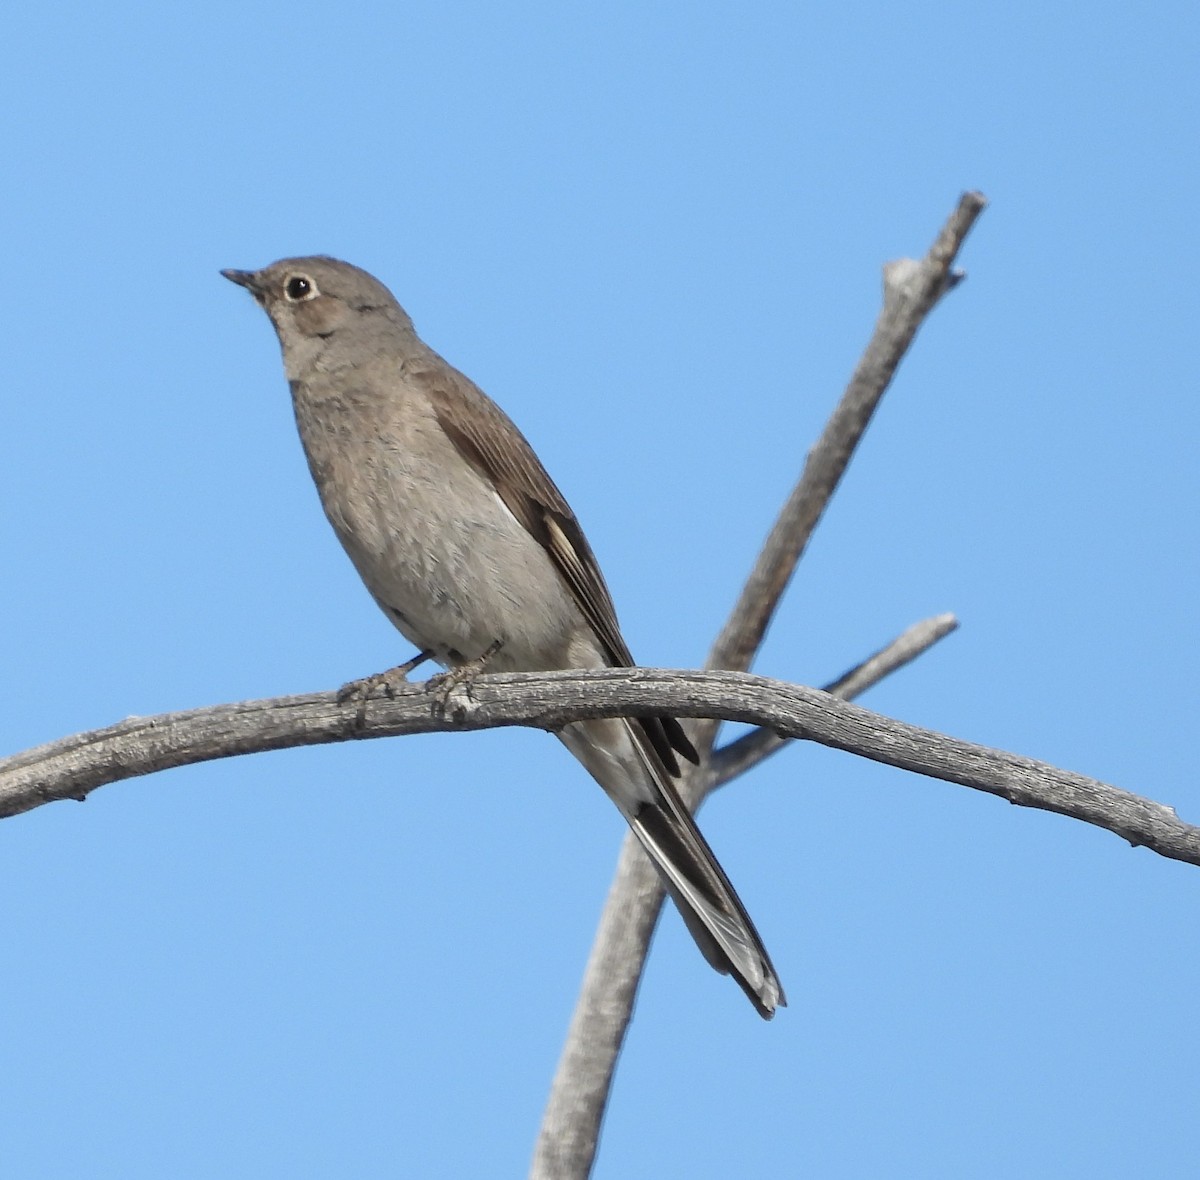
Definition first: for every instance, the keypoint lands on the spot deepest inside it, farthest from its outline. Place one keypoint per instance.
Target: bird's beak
(247, 279)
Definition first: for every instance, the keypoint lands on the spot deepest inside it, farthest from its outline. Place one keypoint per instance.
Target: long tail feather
(628, 766)
(708, 903)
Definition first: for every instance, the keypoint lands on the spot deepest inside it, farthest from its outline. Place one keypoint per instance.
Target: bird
(470, 549)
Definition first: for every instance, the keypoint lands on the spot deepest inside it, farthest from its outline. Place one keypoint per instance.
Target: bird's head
(316, 300)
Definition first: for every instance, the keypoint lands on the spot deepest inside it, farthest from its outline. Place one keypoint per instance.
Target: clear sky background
(654, 233)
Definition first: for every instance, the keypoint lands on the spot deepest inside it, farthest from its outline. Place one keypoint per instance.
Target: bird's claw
(444, 683)
(380, 684)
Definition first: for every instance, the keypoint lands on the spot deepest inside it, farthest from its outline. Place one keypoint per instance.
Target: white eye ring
(299, 288)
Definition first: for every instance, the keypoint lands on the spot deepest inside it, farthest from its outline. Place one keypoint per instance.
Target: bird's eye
(299, 288)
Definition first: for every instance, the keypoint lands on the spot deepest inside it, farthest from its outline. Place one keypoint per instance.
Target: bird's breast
(433, 541)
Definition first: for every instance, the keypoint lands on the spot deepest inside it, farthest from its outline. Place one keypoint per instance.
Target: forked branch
(571, 1123)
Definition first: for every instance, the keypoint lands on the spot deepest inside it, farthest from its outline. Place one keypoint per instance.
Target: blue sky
(653, 232)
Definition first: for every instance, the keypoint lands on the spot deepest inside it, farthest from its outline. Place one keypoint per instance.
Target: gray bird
(470, 549)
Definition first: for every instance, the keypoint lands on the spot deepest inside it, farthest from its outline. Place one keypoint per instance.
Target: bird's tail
(633, 774)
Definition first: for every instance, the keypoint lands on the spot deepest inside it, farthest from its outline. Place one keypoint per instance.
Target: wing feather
(490, 441)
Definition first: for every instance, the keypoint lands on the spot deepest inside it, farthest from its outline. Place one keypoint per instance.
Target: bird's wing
(489, 440)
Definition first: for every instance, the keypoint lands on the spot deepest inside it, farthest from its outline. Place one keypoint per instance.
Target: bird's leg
(363, 690)
(444, 683)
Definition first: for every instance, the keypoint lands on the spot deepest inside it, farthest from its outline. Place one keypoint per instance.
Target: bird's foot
(444, 683)
(380, 684)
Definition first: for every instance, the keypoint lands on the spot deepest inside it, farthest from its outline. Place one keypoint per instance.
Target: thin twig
(746, 752)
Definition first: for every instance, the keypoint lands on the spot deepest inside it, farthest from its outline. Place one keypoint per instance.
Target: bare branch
(73, 767)
(570, 1127)
(751, 748)
(77, 765)
(910, 292)
(548, 700)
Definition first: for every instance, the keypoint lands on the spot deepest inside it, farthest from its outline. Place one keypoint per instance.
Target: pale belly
(452, 567)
